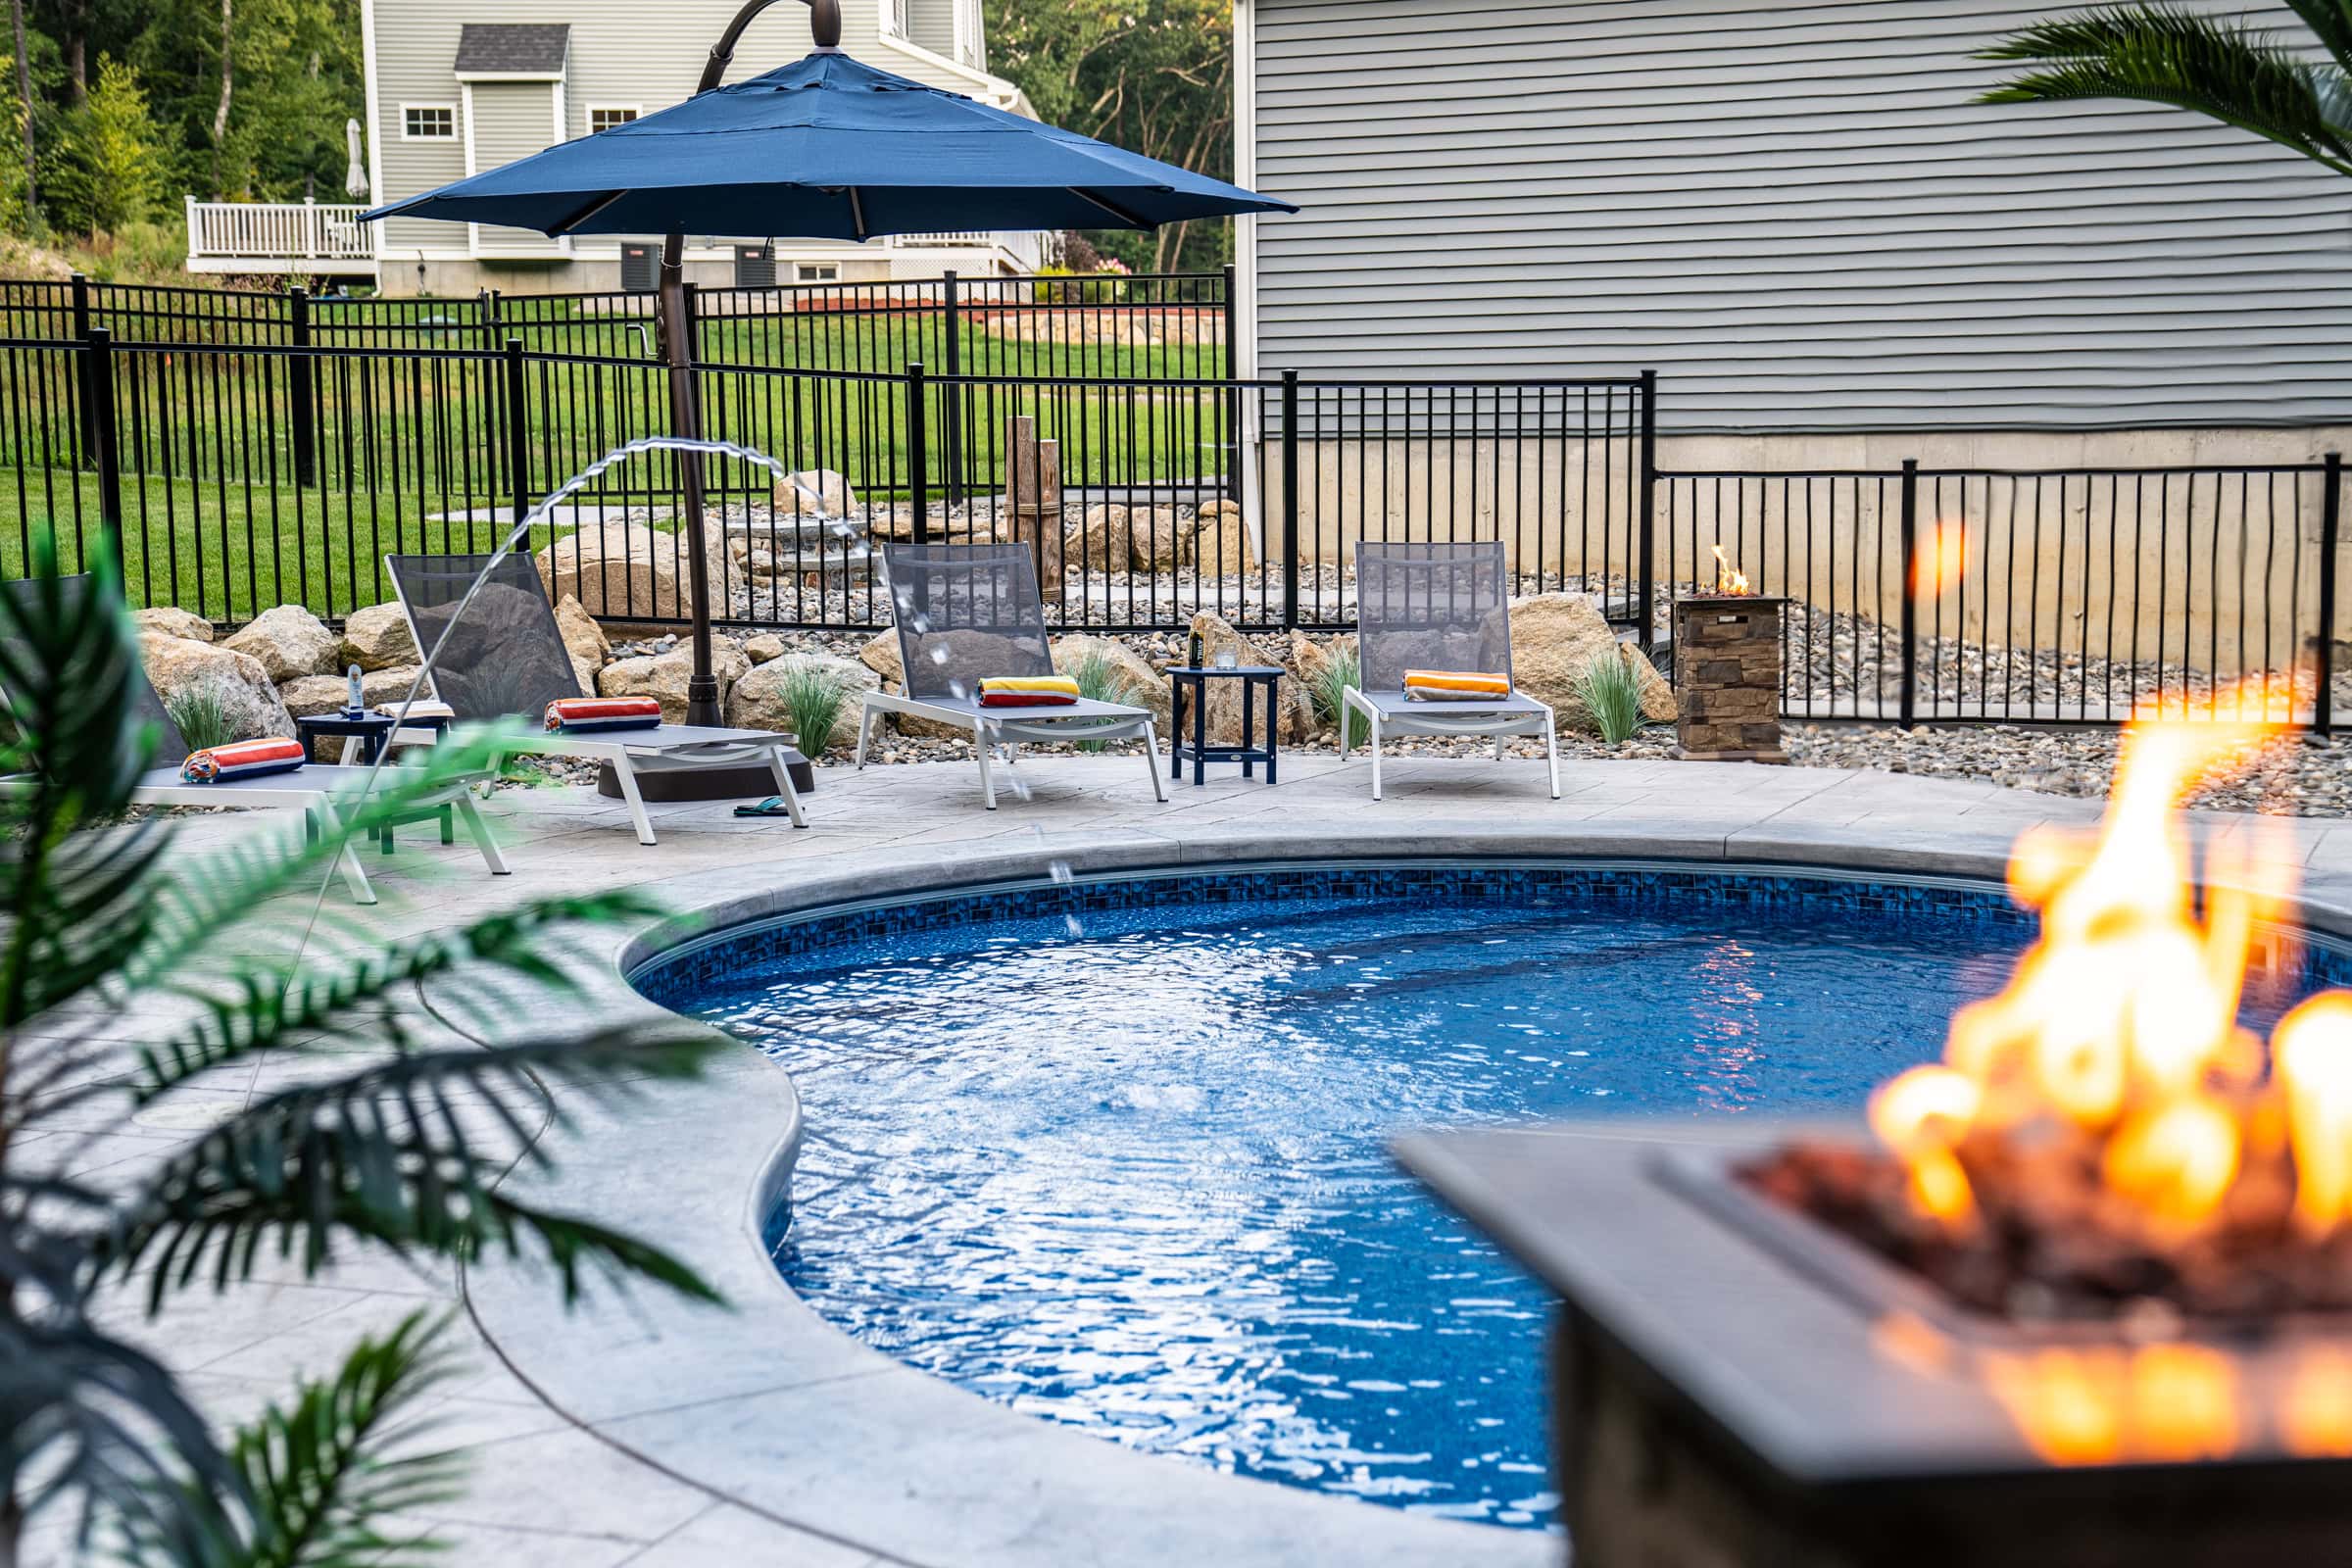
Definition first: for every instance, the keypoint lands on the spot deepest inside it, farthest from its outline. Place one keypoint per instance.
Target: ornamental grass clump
(1101, 681)
(814, 698)
(1329, 693)
(205, 714)
(379, 1142)
(1613, 693)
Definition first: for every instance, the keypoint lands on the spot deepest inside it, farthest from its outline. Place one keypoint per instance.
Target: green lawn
(230, 553)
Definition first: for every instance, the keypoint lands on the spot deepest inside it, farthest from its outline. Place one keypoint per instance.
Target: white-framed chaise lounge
(326, 793)
(507, 660)
(966, 613)
(1440, 606)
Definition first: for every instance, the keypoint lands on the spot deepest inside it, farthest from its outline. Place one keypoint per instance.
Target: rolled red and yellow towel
(576, 716)
(1454, 686)
(1028, 690)
(240, 759)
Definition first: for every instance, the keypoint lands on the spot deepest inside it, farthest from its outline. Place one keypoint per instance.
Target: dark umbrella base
(710, 784)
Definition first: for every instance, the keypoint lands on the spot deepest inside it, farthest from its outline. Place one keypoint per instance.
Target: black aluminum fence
(2046, 597)
(1151, 326)
(244, 475)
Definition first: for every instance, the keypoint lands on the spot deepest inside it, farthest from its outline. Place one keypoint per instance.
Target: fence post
(2332, 506)
(950, 406)
(518, 453)
(98, 406)
(1230, 370)
(1290, 499)
(1907, 715)
(299, 390)
(917, 458)
(1645, 531)
(485, 306)
(81, 334)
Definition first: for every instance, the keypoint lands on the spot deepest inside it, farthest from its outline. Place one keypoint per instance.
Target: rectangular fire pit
(1727, 668)
(1733, 1385)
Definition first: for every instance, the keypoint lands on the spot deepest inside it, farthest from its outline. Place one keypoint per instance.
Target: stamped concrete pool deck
(638, 1430)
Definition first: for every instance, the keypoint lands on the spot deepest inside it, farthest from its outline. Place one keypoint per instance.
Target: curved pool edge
(773, 1409)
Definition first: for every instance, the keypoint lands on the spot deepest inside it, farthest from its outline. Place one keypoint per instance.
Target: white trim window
(816, 272)
(429, 122)
(894, 17)
(604, 117)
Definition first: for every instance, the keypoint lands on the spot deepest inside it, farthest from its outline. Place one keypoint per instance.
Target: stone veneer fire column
(1727, 669)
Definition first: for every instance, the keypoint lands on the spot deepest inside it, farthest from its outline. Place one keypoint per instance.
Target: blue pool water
(1114, 1153)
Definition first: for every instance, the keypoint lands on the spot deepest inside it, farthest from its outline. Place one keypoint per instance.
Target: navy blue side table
(372, 730)
(1184, 682)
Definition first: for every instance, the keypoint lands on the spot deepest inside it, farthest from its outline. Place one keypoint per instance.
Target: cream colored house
(458, 86)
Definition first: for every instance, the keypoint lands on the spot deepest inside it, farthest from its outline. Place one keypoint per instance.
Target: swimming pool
(1111, 1152)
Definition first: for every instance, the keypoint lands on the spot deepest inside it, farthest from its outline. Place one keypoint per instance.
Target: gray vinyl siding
(1793, 211)
(511, 120)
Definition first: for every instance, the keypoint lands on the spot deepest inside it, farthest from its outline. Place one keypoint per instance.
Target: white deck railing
(1026, 248)
(265, 233)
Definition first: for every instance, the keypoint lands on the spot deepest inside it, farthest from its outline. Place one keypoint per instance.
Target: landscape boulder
(1555, 637)
(1154, 542)
(583, 639)
(1219, 545)
(289, 642)
(628, 571)
(178, 665)
(1145, 687)
(1098, 541)
(1218, 635)
(324, 694)
(376, 638)
(763, 648)
(817, 490)
(757, 700)
(170, 622)
(664, 675)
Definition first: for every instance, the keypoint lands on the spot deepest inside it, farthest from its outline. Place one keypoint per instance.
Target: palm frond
(314, 1482)
(2331, 22)
(386, 1153)
(68, 664)
(86, 1416)
(258, 1002)
(228, 890)
(2162, 53)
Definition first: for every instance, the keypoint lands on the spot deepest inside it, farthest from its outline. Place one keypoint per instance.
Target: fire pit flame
(2104, 1136)
(1729, 584)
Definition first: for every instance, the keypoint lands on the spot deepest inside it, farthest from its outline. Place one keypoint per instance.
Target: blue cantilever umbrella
(826, 148)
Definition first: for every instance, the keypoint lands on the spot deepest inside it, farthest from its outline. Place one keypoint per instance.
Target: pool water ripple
(1125, 1170)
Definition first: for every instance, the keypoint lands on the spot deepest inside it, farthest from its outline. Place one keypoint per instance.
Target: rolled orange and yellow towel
(1028, 690)
(240, 759)
(585, 715)
(1454, 686)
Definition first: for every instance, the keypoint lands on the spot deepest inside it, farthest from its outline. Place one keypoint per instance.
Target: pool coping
(771, 1407)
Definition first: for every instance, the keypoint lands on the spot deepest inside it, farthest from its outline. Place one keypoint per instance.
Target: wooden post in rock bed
(1033, 498)
(1727, 666)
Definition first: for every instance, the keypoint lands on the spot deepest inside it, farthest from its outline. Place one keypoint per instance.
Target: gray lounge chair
(507, 658)
(324, 792)
(1437, 606)
(965, 613)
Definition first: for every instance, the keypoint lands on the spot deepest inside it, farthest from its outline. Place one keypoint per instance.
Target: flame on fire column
(2118, 1037)
(1729, 584)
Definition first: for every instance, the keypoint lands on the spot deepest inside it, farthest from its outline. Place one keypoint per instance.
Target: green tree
(104, 916)
(117, 160)
(1155, 77)
(2225, 70)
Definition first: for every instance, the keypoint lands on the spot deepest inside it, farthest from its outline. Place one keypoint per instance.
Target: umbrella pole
(686, 418)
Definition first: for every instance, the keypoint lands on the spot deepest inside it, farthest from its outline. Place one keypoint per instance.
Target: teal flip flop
(774, 806)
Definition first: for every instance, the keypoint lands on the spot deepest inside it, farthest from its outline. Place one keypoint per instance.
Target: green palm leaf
(313, 1481)
(2165, 54)
(394, 1153)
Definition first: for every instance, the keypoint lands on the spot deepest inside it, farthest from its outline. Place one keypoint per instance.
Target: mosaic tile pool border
(670, 976)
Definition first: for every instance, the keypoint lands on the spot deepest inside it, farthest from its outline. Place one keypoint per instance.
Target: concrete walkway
(638, 1432)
